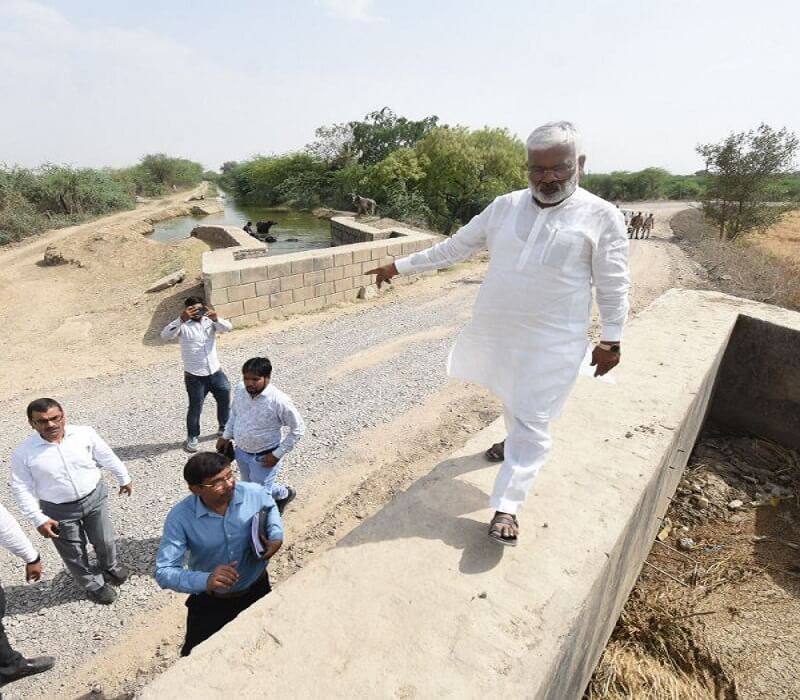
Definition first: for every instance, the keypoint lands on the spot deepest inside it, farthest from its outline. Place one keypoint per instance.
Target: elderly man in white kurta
(548, 245)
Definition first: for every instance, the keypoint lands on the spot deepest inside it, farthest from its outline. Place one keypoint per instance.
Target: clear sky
(101, 82)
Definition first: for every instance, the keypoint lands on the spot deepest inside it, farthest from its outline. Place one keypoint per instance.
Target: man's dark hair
(260, 366)
(204, 465)
(191, 301)
(42, 406)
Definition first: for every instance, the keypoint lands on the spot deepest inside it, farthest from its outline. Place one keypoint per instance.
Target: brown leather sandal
(496, 453)
(499, 521)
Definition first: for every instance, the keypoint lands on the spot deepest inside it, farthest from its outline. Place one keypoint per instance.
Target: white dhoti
(528, 333)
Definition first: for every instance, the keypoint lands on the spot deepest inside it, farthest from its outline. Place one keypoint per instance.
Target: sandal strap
(501, 519)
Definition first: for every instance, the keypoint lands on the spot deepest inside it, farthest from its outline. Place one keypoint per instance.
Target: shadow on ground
(434, 508)
(139, 556)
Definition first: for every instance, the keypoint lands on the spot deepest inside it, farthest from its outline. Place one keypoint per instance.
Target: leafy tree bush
(746, 171)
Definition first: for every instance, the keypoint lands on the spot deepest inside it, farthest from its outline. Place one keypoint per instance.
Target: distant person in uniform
(197, 329)
(647, 226)
(636, 224)
(549, 245)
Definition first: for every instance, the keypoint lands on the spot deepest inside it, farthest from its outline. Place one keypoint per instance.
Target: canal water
(309, 231)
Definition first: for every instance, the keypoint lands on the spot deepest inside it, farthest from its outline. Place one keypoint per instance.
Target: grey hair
(555, 134)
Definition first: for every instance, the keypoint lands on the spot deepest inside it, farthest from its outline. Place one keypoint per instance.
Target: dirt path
(380, 459)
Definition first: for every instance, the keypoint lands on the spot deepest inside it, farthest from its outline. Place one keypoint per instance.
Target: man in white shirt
(56, 480)
(14, 665)
(197, 329)
(548, 245)
(258, 414)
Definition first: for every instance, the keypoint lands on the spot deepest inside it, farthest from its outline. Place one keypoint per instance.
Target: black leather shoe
(26, 667)
(118, 577)
(283, 502)
(102, 596)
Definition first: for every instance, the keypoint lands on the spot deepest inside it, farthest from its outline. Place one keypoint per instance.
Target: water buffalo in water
(262, 231)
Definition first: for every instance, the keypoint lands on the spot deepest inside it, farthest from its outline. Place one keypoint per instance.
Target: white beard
(566, 189)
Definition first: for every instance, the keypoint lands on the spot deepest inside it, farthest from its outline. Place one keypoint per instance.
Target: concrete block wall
(250, 291)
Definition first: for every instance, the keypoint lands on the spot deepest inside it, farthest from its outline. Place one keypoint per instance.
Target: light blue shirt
(212, 539)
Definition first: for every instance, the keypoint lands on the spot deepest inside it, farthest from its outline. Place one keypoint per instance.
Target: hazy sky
(99, 82)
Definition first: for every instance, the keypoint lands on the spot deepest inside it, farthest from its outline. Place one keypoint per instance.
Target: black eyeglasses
(46, 421)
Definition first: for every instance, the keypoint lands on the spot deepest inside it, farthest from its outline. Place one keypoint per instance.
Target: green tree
(382, 132)
(744, 174)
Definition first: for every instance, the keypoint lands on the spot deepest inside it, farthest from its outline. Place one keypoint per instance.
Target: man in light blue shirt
(213, 525)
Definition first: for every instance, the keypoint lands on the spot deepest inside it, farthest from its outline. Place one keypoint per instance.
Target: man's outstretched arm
(465, 242)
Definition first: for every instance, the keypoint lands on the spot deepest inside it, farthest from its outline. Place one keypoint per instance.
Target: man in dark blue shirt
(213, 525)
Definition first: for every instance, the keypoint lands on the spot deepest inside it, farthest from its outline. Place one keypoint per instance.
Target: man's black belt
(263, 452)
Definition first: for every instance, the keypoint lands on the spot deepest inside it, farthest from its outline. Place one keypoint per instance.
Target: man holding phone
(197, 329)
(56, 481)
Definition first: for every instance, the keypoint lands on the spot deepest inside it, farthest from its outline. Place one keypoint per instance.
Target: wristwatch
(611, 347)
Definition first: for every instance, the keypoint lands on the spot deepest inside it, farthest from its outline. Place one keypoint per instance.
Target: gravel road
(141, 416)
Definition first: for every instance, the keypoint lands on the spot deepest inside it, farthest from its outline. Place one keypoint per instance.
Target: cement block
(225, 279)
(279, 269)
(341, 259)
(268, 314)
(231, 309)
(241, 291)
(378, 253)
(291, 282)
(344, 284)
(303, 293)
(323, 262)
(321, 290)
(304, 265)
(394, 249)
(362, 254)
(218, 296)
(407, 248)
(312, 278)
(334, 273)
(351, 294)
(334, 298)
(351, 270)
(268, 287)
(256, 304)
(253, 274)
(280, 299)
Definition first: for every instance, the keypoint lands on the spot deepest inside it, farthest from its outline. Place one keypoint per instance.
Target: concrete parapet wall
(416, 602)
(249, 291)
(346, 230)
(227, 237)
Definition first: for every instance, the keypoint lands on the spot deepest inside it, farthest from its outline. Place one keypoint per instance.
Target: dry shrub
(735, 267)
(655, 653)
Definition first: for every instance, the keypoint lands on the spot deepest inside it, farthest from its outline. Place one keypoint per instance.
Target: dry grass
(783, 239)
(660, 648)
(738, 268)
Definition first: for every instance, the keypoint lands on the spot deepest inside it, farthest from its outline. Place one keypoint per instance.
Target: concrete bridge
(417, 603)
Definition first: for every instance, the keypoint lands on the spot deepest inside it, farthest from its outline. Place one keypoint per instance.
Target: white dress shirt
(198, 343)
(255, 422)
(14, 539)
(528, 332)
(61, 472)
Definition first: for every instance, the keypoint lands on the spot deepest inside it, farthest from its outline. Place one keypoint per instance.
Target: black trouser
(8, 657)
(209, 614)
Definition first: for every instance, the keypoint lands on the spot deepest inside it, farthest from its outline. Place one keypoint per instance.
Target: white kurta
(529, 329)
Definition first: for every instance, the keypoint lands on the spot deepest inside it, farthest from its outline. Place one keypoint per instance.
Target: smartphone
(202, 311)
